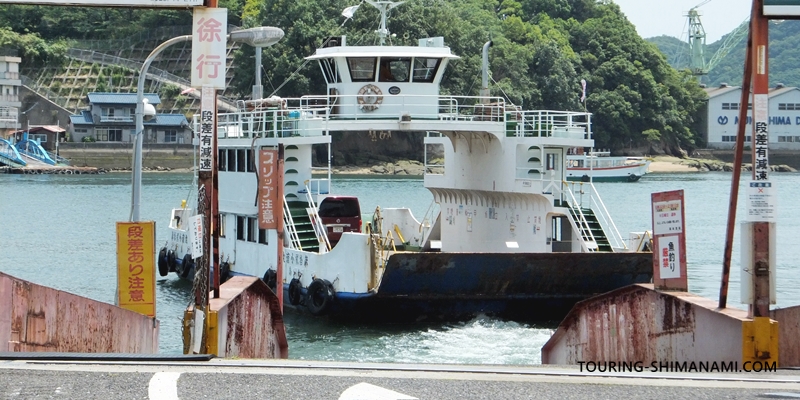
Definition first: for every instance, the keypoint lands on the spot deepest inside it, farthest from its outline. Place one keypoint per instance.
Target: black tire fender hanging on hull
(186, 266)
(224, 272)
(320, 296)
(271, 279)
(171, 262)
(294, 292)
(163, 266)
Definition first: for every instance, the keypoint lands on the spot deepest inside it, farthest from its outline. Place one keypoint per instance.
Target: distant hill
(784, 60)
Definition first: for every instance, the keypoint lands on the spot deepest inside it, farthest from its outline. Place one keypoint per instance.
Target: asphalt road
(282, 379)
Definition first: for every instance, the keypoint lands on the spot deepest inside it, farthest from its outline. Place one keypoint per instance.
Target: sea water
(59, 231)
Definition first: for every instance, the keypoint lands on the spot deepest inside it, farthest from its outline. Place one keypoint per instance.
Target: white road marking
(365, 391)
(164, 386)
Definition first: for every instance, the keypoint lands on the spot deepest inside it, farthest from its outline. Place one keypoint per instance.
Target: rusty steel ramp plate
(56, 356)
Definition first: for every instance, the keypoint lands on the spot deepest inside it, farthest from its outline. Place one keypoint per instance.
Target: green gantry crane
(697, 42)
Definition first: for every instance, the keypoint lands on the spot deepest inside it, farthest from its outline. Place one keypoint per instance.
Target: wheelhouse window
(425, 69)
(394, 69)
(232, 160)
(362, 69)
(241, 160)
(329, 70)
(222, 160)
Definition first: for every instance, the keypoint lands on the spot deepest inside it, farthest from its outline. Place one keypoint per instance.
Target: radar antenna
(384, 6)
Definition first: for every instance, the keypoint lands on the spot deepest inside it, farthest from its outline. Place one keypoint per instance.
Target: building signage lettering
(207, 121)
(209, 47)
(268, 200)
(775, 120)
(136, 272)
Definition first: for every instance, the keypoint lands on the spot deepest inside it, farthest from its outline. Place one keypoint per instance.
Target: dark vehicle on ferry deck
(340, 214)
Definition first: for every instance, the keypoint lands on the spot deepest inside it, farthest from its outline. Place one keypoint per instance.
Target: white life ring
(369, 98)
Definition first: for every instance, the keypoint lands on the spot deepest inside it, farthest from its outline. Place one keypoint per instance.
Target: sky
(667, 17)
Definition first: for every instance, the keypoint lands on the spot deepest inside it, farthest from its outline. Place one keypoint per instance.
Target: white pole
(136, 195)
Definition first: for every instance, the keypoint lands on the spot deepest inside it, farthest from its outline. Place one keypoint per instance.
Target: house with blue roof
(110, 117)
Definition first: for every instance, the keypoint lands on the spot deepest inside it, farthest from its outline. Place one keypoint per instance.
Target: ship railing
(294, 238)
(551, 123)
(320, 230)
(588, 197)
(269, 123)
(405, 107)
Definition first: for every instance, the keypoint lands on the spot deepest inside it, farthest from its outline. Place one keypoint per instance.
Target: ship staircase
(592, 221)
(299, 226)
(590, 229)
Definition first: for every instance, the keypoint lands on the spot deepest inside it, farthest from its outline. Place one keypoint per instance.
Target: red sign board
(669, 241)
(270, 204)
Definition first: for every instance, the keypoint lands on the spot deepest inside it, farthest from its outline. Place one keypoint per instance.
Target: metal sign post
(669, 240)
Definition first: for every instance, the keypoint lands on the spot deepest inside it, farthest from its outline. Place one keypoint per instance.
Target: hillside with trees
(541, 51)
(784, 56)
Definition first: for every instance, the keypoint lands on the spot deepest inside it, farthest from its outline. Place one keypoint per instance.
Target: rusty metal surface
(637, 323)
(40, 319)
(788, 335)
(250, 320)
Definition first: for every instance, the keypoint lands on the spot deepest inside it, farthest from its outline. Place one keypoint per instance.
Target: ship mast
(384, 6)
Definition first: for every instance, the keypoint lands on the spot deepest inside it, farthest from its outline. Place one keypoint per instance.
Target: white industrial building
(723, 117)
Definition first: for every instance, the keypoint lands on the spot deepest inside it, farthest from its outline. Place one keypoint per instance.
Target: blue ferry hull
(522, 287)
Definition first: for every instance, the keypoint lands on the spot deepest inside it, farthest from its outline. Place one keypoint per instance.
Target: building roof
(168, 120)
(720, 90)
(773, 91)
(779, 90)
(85, 118)
(48, 128)
(121, 98)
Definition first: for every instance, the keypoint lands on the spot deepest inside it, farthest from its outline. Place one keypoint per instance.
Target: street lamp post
(136, 191)
(258, 37)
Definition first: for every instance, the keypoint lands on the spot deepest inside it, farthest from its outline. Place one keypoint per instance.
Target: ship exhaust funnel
(485, 73)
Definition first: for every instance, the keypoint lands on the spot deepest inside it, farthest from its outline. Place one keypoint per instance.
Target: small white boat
(600, 166)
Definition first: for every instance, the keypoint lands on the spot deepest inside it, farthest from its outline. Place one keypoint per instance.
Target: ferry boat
(511, 237)
(601, 166)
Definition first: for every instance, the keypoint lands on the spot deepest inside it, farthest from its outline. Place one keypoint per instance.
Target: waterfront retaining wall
(120, 155)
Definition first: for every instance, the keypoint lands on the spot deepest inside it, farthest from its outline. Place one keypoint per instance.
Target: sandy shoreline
(664, 164)
(661, 164)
